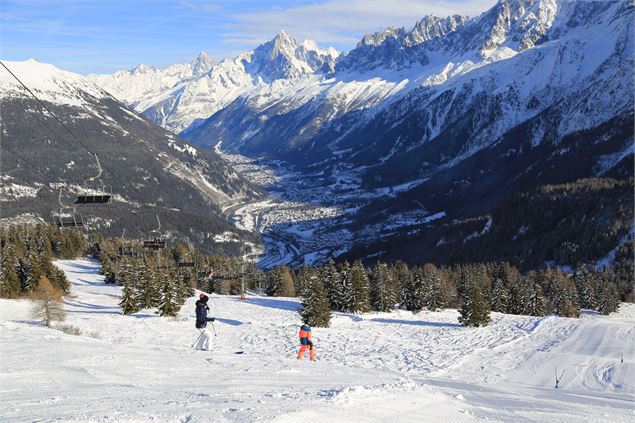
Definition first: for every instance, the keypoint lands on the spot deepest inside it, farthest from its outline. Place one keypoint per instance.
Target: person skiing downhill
(202, 342)
(306, 342)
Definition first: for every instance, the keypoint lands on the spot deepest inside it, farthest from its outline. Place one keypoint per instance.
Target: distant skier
(202, 343)
(306, 342)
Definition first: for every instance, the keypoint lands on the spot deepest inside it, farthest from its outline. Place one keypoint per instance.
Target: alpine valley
(439, 142)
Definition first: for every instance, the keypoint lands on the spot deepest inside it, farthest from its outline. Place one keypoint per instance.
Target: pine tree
(107, 269)
(9, 280)
(169, 305)
(500, 297)
(433, 297)
(474, 311)
(316, 309)
(48, 304)
(185, 289)
(608, 299)
(360, 289)
(585, 285)
(384, 289)
(520, 291)
(344, 286)
(536, 304)
(414, 292)
(148, 294)
(332, 284)
(302, 281)
(500, 293)
(128, 301)
(405, 280)
(565, 296)
(33, 273)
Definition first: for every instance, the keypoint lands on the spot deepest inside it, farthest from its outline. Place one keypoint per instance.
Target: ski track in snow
(376, 367)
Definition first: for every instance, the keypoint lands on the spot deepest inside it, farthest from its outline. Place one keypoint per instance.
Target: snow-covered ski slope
(386, 367)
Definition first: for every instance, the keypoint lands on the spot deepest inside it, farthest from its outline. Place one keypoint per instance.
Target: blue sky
(102, 36)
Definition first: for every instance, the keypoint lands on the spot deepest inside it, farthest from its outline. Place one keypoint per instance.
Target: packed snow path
(375, 367)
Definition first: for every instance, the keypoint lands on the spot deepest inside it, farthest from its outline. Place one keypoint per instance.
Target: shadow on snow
(416, 323)
(272, 302)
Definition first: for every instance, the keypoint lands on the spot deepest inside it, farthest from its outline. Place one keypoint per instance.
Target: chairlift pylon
(156, 243)
(94, 190)
(67, 216)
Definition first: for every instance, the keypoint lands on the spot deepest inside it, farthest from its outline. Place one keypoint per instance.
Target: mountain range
(150, 171)
(414, 127)
(451, 116)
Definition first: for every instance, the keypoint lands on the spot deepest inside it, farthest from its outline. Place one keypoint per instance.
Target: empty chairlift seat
(95, 194)
(68, 220)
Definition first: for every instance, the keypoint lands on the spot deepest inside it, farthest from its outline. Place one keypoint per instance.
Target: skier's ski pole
(199, 337)
(214, 329)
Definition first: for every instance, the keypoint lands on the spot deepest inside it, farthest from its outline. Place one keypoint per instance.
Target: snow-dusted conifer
(433, 296)
(384, 288)
(148, 294)
(316, 308)
(9, 280)
(360, 289)
(345, 286)
(416, 290)
(169, 306)
(406, 286)
(34, 272)
(474, 311)
(332, 284)
(607, 297)
(564, 294)
(128, 301)
(585, 285)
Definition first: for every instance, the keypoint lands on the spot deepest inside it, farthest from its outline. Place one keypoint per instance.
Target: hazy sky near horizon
(95, 36)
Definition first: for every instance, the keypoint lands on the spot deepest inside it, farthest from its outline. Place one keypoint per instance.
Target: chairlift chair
(68, 219)
(67, 216)
(186, 263)
(126, 250)
(94, 191)
(155, 243)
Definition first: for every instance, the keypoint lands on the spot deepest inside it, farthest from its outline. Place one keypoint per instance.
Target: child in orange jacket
(306, 342)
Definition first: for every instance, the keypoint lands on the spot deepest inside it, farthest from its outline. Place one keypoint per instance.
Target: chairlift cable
(79, 141)
(30, 163)
(47, 109)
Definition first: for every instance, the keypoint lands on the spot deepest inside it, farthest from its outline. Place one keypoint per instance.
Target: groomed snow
(378, 367)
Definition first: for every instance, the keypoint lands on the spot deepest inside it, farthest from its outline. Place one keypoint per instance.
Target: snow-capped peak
(48, 82)
(202, 64)
(431, 27)
(377, 38)
(283, 57)
(141, 68)
(310, 45)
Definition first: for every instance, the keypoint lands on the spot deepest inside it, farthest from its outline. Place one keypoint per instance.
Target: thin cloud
(200, 7)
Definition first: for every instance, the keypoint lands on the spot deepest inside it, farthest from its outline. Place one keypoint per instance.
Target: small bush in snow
(69, 329)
